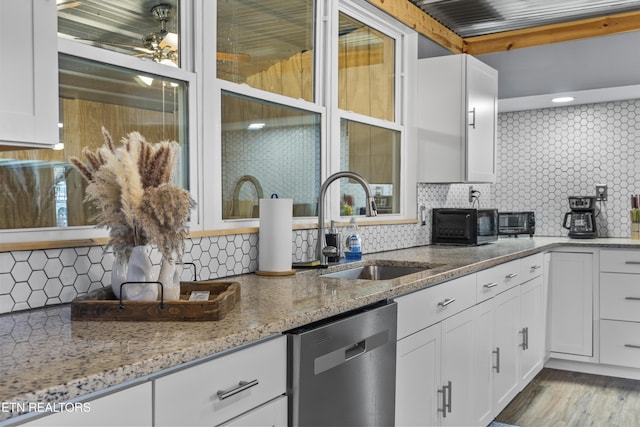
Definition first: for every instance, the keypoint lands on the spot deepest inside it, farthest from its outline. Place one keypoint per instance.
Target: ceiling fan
(161, 46)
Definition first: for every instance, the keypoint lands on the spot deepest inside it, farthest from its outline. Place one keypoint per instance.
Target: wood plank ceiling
(485, 26)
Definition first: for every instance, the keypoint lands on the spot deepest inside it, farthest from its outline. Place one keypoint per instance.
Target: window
(370, 129)
(366, 64)
(268, 149)
(40, 188)
(267, 44)
(374, 153)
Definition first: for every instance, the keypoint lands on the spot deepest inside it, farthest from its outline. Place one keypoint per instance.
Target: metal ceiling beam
(536, 36)
(412, 16)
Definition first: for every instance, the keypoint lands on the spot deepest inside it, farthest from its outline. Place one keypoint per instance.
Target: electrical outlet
(471, 194)
(601, 192)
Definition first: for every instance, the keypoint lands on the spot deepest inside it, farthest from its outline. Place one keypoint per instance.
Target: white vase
(170, 278)
(139, 272)
(118, 272)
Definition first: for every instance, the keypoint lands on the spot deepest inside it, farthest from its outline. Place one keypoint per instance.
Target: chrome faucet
(371, 209)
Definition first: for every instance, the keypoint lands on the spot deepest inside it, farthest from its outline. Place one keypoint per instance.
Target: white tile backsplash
(543, 156)
(547, 155)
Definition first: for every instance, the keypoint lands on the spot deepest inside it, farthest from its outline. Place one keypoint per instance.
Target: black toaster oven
(515, 223)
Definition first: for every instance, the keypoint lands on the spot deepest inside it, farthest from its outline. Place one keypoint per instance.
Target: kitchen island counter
(45, 357)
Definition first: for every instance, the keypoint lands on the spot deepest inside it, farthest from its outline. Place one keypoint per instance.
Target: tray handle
(121, 306)
(195, 274)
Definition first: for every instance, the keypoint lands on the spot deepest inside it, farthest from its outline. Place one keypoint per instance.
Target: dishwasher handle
(344, 354)
(356, 350)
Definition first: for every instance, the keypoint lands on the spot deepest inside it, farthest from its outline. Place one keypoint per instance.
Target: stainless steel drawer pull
(632, 298)
(632, 262)
(446, 302)
(525, 338)
(632, 346)
(511, 276)
(491, 285)
(535, 267)
(242, 386)
(497, 353)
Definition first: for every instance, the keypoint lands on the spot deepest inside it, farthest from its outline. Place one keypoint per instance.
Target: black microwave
(467, 227)
(515, 223)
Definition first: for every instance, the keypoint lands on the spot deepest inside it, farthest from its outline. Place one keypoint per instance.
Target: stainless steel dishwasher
(342, 371)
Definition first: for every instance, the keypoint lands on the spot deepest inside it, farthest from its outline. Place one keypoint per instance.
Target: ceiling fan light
(170, 40)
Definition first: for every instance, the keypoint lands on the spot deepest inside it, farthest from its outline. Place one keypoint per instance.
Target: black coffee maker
(581, 221)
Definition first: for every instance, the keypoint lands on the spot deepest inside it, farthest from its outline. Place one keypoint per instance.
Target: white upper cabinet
(29, 72)
(456, 119)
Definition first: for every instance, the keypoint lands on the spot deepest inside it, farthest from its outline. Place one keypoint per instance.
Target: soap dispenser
(353, 243)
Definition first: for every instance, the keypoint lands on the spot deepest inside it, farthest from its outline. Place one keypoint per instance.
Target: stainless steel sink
(381, 271)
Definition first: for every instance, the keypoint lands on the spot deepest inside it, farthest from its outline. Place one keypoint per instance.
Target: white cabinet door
(485, 361)
(29, 73)
(418, 378)
(482, 111)
(457, 108)
(505, 351)
(457, 370)
(129, 407)
(571, 303)
(532, 323)
(272, 414)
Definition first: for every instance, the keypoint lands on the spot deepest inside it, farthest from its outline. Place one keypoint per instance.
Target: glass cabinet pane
(267, 44)
(140, 28)
(374, 153)
(366, 70)
(268, 149)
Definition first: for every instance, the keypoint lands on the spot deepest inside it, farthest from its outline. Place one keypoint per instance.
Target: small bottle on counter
(353, 243)
(334, 239)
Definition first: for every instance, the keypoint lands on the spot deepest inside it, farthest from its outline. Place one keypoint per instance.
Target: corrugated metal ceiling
(468, 18)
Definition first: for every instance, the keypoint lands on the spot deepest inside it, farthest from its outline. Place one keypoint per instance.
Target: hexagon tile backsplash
(543, 156)
(31, 279)
(547, 155)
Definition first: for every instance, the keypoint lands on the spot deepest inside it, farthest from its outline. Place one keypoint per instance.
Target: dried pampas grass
(131, 187)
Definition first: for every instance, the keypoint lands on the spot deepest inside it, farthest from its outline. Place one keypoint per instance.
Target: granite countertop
(47, 358)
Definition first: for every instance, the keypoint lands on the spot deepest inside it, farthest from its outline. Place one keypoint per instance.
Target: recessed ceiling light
(563, 99)
(255, 126)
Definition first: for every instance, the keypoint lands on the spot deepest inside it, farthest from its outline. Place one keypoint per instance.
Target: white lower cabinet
(273, 414)
(465, 368)
(504, 364)
(571, 314)
(219, 391)
(128, 407)
(418, 378)
(457, 370)
(620, 308)
(532, 329)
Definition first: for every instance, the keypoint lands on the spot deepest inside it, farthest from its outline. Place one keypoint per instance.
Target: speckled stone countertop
(45, 357)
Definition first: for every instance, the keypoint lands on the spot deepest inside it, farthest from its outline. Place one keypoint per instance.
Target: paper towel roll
(274, 239)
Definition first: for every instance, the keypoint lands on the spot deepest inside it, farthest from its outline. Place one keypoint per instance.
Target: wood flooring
(561, 398)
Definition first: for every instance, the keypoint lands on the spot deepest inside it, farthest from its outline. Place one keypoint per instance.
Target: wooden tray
(102, 304)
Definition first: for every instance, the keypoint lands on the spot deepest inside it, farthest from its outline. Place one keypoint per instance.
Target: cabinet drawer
(193, 396)
(620, 343)
(620, 261)
(424, 308)
(495, 280)
(620, 296)
(531, 267)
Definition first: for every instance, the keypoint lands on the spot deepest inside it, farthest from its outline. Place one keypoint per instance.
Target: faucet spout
(371, 209)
